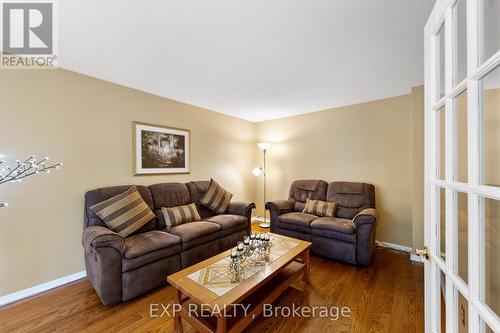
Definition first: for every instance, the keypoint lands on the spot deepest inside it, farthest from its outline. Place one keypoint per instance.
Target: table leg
(178, 320)
(221, 324)
(307, 272)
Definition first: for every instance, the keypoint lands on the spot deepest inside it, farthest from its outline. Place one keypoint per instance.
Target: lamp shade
(257, 171)
(264, 145)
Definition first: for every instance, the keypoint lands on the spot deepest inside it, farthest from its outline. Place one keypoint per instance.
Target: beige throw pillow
(320, 208)
(124, 213)
(216, 198)
(181, 214)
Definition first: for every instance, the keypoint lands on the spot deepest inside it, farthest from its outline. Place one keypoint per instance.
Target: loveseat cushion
(301, 190)
(147, 247)
(335, 228)
(296, 221)
(351, 197)
(195, 233)
(229, 223)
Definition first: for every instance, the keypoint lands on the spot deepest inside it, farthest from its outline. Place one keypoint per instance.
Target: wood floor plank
(386, 296)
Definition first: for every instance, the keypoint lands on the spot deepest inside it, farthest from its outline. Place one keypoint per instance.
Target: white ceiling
(253, 59)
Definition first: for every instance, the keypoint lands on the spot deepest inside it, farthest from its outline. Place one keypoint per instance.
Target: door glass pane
(461, 56)
(492, 251)
(442, 223)
(491, 38)
(462, 235)
(461, 123)
(441, 62)
(442, 293)
(463, 313)
(441, 143)
(487, 328)
(491, 128)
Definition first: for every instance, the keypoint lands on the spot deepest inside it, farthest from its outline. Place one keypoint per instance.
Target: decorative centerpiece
(255, 250)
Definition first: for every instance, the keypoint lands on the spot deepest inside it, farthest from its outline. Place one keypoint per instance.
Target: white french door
(462, 166)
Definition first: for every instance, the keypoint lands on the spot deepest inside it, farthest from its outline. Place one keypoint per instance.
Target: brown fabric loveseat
(122, 268)
(349, 236)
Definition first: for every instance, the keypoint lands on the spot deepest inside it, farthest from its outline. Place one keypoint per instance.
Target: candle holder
(254, 250)
(236, 270)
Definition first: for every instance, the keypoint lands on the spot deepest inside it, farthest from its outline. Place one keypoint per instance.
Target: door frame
(444, 15)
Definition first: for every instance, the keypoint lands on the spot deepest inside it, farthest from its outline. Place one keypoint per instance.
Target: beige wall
(417, 166)
(87, 124)
(370, 142)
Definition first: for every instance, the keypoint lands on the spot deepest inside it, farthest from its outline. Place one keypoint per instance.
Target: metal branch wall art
(31, 166)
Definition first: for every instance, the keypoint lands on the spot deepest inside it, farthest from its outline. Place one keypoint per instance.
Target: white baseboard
(407, 249)
(414, 257)
(19, 295)
(394, 246)
(258, 218)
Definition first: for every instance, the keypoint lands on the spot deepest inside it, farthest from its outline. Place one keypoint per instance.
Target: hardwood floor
(387, 296)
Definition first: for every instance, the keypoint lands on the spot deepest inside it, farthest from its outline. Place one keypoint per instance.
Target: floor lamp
(257, 172)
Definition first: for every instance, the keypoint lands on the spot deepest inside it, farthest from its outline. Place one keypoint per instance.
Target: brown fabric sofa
(122, 268)
(349, 236)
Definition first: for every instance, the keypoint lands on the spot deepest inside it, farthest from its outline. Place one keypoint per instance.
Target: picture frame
(159, 150)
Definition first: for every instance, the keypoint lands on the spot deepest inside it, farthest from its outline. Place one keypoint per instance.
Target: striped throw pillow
(216, 198)
(320, 208)
(180, 214)
(124, 213)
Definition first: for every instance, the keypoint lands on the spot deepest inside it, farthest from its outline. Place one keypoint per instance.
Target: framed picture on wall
(160, 150)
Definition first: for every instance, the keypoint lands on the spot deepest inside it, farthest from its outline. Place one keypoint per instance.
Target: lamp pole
(264, 146)
(265, 183)
(265, 224)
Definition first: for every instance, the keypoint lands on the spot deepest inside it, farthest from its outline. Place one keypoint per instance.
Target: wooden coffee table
(211, 303)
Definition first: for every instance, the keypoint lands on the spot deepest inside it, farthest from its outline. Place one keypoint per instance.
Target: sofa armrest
(103, 262)
(99, 237)
(240, 208)
(368, 215)
(365, 225)
(280, 206)
(244, 209)
(277, 208)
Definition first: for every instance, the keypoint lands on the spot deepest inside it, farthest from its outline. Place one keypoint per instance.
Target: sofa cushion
(335, 228)
(170, 195)
(216, 198)
(140, 244)
(319, 207)
(296, 221)
(178, 215)
(229, 223)
(196, 233)
(124, 213)
(147, 247)
(197, 190)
